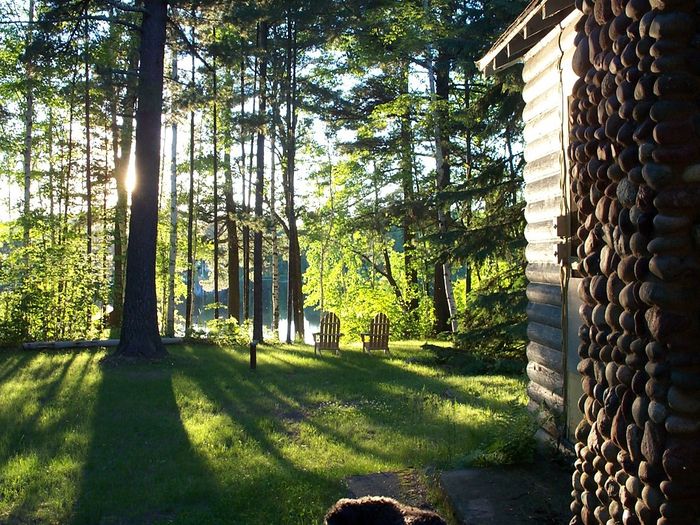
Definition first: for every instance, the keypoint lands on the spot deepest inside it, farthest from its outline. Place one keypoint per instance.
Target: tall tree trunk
(172, 256)
(139, 335)
(88, 161)
(28, 123)
(408, 220)
(468, 174)
(69, 171)
(234, 292)
(246, 204)
(294, 274)
(52, 192)
(189, 298)
(88, 144)
(273, 203)
(104, 291)
(439, 80)
(259, 183)
(216, 191)
(251, 156)
(123, 139)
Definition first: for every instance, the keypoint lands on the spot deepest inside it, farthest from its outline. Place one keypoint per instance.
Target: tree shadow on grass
(200, 438)
(141, 467)
(11, 361)
(273, 488)
(262, 404)
(36, 421)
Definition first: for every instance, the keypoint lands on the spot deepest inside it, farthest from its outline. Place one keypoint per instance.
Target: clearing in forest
(200, 438)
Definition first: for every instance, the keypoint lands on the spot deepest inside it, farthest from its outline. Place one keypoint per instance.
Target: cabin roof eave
(538, 18)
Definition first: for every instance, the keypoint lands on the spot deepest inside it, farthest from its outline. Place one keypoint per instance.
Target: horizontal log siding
(543, 175)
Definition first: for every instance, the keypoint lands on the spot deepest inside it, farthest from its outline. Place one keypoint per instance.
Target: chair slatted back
(379, 332)
(329, 331)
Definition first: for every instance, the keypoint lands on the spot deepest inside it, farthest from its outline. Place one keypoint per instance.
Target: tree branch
(385, 272)
(125, 7)
(98, 18)
(280, 220)
(190, 46)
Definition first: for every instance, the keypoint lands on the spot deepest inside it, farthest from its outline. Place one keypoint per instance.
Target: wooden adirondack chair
(378, 336)
(328, 336)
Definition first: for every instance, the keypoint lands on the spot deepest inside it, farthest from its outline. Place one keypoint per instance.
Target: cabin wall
(547, 75)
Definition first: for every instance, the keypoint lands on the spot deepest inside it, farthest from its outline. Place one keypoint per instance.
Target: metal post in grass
(253, 354)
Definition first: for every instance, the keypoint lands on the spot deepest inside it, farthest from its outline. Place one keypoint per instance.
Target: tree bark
(439, 81)
(259, 183)
(273, 203)
(246, 183)
(216, 191)
(409, 218)
(172, 256)
(294, 274)
(139, 335)
(234, 292)
(189, 298)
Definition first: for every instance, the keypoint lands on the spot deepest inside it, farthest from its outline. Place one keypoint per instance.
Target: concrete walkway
(531, 494)
(508, 496)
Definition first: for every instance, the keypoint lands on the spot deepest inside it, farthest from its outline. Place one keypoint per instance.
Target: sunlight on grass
(201, 438)
(45, 414)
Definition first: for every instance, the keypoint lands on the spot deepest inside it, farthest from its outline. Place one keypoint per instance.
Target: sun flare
(131, 175)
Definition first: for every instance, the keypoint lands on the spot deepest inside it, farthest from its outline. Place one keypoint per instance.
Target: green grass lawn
(200, 438)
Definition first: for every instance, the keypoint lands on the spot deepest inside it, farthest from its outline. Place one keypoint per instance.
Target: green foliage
(369, 224)
(512, 443)
(348, 272)
(48, 292)
(228, 332)
(493, 321)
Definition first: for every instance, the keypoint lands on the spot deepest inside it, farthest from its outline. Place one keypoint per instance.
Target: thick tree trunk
(259, 183)
(172, 256)
(439, 80)
(440, 305)
(28, 123)
(294, 274)
(139, 335)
